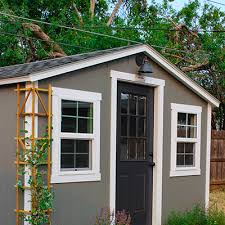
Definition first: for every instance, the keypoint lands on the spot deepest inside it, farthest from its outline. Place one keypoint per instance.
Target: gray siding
(78, 203)
(7, 155)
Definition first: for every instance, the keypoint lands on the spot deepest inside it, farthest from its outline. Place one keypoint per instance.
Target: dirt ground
(217, 198)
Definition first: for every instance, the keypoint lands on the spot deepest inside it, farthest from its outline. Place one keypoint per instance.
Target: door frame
(158, 85)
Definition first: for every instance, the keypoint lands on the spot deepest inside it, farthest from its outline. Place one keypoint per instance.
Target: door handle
(151, 164)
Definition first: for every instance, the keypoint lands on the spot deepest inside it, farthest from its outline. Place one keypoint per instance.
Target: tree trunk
(92, 8)
(196, 67)
(115, 10)
(78, 14)
(57, 51)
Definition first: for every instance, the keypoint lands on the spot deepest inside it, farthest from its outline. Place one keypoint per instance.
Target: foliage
(193, 37)
(107, 218)
(197, 216)
(42, 197)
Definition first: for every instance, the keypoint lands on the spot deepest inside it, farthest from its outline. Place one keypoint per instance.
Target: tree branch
(115, 10)
(196, 67)
(78, 14)
(57, 51)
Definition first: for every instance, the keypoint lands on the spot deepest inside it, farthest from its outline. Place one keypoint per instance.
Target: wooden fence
(217, 166)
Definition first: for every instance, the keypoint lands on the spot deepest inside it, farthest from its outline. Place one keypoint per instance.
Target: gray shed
(121, 139)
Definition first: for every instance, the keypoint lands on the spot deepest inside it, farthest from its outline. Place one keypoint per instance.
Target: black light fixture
(145, 67)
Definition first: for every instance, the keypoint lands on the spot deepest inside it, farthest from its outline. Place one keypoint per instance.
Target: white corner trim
(158, 138)
(93, 174)
(185, 171)
(208, 155)
(152, 53)
(28, 128)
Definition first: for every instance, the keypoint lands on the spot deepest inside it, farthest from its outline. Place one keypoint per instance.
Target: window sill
(75, 178)
(182, 172)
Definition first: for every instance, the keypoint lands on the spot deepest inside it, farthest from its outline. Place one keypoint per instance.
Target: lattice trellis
(28, 98)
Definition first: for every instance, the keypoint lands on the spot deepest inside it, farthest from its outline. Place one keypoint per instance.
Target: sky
(178, 4)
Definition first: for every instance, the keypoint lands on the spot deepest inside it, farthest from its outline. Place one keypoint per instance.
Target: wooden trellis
(33, 96)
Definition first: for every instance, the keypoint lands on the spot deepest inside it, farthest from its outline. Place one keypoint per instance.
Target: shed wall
(78, 203)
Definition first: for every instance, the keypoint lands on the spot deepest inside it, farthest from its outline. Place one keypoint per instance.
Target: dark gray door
(135, 152)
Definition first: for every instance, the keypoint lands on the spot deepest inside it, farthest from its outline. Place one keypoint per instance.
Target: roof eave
(152, 53)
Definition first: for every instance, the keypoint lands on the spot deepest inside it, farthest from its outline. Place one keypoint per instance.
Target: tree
(185, 37)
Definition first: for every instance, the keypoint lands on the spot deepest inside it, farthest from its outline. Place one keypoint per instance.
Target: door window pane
(141, 149)
(124, 103)
(133, 104)
(123, 149)
(141, 127)
(132, 149)
(124, 121)
(141, 105)
(133, 126)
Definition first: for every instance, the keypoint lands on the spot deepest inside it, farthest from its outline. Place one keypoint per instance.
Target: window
(185, 140)
(76, 136)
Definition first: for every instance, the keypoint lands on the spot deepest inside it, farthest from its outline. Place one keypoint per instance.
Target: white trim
(185, 171)
(93, 174)
(152, 53)
(208, 155)
(158, 138)
(28, 128)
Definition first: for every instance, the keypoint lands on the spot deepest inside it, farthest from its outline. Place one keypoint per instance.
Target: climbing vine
(41, 196)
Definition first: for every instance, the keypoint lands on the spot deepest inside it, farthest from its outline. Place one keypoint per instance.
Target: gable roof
(52, 67)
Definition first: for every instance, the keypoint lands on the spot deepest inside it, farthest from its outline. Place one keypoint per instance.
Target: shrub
(105, 217)
(197, 216)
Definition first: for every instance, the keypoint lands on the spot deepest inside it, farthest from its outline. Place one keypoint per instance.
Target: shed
(120, 139)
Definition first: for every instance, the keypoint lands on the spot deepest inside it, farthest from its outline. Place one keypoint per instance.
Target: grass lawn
(217, 198)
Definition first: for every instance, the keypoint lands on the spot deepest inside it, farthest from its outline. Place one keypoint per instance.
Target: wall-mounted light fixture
(144, 64)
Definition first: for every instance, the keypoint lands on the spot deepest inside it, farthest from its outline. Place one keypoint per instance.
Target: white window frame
(190, 170)
(59, 176)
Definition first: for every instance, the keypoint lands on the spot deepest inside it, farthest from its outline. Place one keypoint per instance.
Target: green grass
(197, 216)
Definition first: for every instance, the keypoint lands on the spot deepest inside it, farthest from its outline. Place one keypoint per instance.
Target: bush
(107, 218)
(197, 216)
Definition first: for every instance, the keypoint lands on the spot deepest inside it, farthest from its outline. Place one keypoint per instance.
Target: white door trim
(158, 138)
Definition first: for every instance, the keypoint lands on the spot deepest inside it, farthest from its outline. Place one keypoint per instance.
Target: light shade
(145, 67)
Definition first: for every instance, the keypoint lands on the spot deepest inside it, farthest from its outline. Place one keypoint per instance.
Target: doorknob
(151, 164)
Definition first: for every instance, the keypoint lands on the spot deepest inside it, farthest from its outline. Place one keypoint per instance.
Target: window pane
(191, 132)
(141, 105)
(141, 127)
(132, 148)
(133, 126)
(67, 146)
(67, 161)
(124, 103)
(123, 149)
(69, 108)
(180, 147)
(69, 124)
(82, 161)
(181, 131)
(189, 148)
(85, 109)
(192, 119)
(141, 149)
(189, 160)
(124, 125)
(182, 118)
(133, 104)
(85, 125)
(180, 160)
(82, 146)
